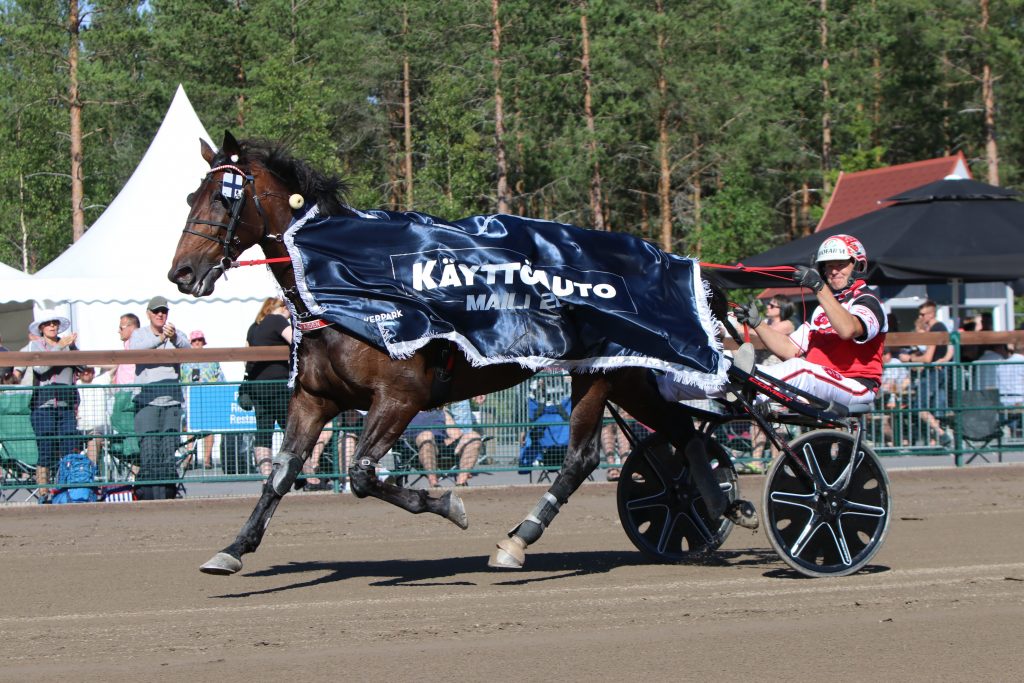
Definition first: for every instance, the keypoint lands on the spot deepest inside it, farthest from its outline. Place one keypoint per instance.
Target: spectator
(201, 373)
(548, 407)
(615, 443)
(94, 405)
(54, 400)
(462, 436)
(157, 402)
(779, 314)
(438, 436)
(892, 392)
(976, 323)
(6, 371)
(930, 388)
(987, 364)
(270, 392)
(343, 430)
(1010, 381)
(125, 372)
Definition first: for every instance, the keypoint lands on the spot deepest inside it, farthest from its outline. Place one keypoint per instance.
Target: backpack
(75, 468)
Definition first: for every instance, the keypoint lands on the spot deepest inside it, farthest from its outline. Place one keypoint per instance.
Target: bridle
(235, 205)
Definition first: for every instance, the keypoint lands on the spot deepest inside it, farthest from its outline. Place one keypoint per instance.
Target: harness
(235, 205)
(233, 192)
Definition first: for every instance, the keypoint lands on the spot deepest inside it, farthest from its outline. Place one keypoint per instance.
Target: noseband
(236, 205)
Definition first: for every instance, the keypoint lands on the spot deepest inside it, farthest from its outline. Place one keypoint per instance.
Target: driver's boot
(740, 512)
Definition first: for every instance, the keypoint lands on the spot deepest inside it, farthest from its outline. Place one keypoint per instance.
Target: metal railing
(920, 410)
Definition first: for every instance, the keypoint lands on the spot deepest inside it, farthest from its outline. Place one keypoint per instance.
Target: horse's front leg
(383, 425)
(307, 416)
(582, 458)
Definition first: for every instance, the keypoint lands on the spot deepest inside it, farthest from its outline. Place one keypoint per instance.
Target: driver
(836, 355)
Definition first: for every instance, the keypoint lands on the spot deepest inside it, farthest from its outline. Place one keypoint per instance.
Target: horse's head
(232, 209)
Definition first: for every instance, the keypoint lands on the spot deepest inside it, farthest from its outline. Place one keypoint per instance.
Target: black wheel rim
(834, 521)
(660, 508)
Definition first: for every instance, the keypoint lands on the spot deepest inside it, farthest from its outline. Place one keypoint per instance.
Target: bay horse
(336, 371)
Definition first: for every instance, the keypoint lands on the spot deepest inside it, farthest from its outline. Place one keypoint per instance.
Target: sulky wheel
(659, 505)
(832, 522)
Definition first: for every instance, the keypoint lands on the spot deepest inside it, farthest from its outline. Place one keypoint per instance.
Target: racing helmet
(842, 247)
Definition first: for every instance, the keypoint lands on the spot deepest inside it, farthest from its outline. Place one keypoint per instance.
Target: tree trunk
(407, 112)
(826, 116)
(989, 100)
(240, 78)
(499, 111)
(22, 223)
(75, 109)
(794, 218)
(697, 227)
(588, 113)
(805, 210)
(664, 149)
(394, 159)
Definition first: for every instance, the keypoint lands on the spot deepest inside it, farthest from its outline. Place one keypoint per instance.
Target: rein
(778, 272)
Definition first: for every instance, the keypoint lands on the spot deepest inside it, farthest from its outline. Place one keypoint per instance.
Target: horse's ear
(206, 151)
(230, 146)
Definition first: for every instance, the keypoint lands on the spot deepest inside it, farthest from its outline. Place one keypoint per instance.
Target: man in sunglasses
(158, 402)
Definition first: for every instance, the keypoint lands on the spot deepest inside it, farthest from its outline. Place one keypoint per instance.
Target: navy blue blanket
(507, 289)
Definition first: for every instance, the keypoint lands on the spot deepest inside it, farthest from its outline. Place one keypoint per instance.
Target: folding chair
(18, 451)
(980, 424)
(123, 446)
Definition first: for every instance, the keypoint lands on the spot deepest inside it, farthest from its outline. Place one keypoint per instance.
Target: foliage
(750, 90)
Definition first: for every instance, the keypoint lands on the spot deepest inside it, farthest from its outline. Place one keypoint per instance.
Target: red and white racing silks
(835, 369)
(831, 368)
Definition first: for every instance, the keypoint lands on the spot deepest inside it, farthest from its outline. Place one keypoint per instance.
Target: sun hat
(45, 316)
(196, 334)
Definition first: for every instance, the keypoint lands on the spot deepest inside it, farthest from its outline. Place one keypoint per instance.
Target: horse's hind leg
(383, 426)
(582, 458)
(307, 416)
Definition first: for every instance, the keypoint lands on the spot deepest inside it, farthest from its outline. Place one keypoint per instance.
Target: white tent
(123, 258)
(14, 315)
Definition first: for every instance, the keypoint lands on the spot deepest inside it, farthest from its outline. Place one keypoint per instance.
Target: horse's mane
(298, 175)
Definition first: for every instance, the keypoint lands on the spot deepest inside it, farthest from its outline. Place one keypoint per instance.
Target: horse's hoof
(457, 511)
(510, 554)
(222, 564)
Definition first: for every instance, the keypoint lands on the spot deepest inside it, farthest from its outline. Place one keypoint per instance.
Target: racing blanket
(507, 289)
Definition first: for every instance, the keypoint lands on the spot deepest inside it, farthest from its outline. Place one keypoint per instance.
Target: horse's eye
(190, 198)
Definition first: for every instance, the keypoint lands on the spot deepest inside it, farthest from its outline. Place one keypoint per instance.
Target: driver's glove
(808, 277)
(748, 315)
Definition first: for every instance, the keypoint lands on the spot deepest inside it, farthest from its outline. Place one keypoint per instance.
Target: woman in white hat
(54, 399)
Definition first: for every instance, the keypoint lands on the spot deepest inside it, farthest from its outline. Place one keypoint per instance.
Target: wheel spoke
(805, 535)
(660, 499)
(702, 528)
(812, 466)
(800, 500)
(667, 528)
(851, 508)
(842, 482)
(839, 538)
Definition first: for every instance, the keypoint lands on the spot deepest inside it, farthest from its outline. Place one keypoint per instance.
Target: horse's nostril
(181, 275)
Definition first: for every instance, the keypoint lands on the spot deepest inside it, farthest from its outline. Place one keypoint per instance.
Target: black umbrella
(947, 230)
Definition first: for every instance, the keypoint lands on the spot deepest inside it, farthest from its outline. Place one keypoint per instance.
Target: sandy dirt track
(357, 590)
